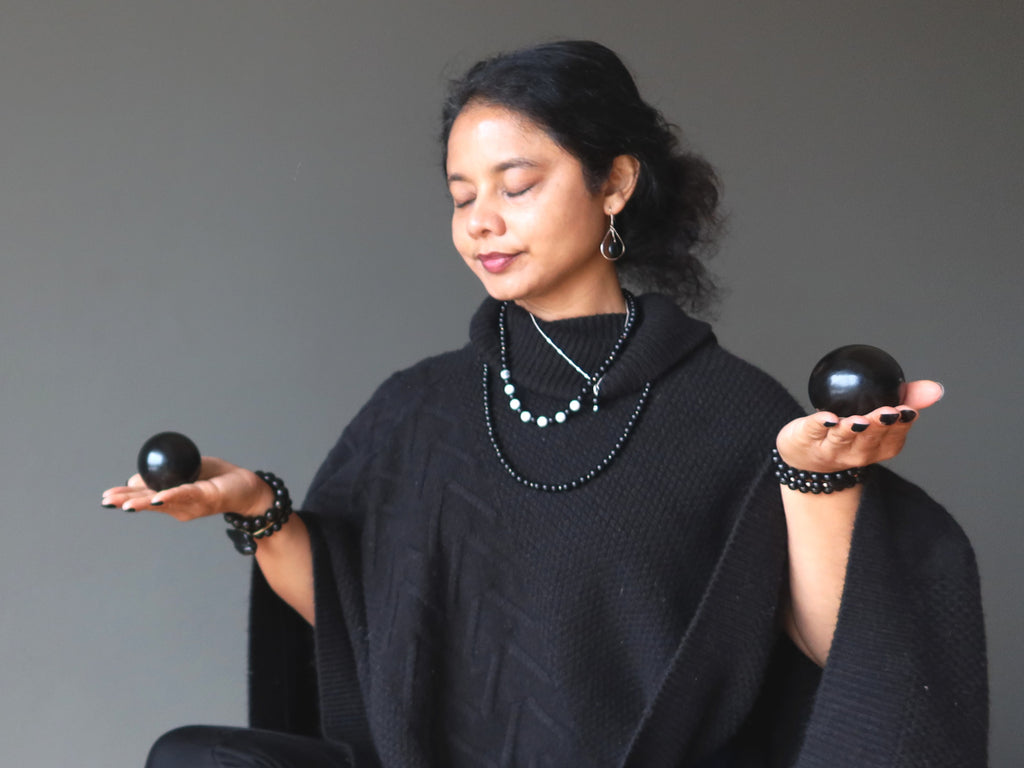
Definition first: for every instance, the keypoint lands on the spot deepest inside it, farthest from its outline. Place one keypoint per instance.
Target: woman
(566, 544)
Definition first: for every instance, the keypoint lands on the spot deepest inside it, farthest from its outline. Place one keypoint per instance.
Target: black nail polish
(907, 415)
(109, 506)
(829, 423)
(889, 418)
(156, 503)
(130, 509)
(858, 427)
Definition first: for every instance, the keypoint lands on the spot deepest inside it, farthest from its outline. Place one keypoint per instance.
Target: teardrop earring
(612, 247)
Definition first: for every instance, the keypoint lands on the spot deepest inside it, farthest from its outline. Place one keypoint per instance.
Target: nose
(484, 219)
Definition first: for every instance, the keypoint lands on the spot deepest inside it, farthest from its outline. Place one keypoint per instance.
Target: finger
(180, 496)
(822, 442)
(922, 394)
(808, 442)
(890, 426)
(872, 426)
(886, 417)
(136, 485)
(128, 499)
(813, 428)
(189, 501)
(875, 437)
(140, 498)
(849, 429)
(119, 494)
(850, 440)
(116, 490)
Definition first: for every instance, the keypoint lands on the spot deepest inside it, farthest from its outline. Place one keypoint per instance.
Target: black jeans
(209, 746)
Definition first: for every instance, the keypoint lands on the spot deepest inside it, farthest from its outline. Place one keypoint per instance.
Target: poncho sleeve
(905, 683)
(305, 682)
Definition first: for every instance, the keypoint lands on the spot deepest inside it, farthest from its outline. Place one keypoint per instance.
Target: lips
(496, 262)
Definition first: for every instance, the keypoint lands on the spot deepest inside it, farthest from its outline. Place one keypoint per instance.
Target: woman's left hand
(820, 526)
(823, 442)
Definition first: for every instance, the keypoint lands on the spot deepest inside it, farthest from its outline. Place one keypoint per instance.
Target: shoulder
(430, 372)
(725, 382)
(723, 364)
(394, 406)
(922, 527)
(403, 393)
(384, 420)
(404, 390)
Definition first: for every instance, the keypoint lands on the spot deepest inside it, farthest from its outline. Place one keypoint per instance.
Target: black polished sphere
(855, 379)
(168, 459)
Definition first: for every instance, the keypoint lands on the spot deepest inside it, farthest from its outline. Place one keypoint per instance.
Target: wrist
(807, 481)
(809, 459)
(261, 499)
(245, 530)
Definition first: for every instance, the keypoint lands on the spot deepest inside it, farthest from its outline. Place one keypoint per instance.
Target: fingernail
(156, 503)
(858, 427)
(108, 506)
(943, 388)
(129, 509)
(889, 418)
(907, 415)
(829, 423)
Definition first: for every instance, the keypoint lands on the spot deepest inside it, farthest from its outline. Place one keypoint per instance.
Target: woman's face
(524, 219)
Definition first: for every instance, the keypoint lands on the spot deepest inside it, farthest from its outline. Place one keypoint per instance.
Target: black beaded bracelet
(244, 531)
(816, 482)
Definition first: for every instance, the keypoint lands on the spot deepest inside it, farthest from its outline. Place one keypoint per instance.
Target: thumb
(922, 394)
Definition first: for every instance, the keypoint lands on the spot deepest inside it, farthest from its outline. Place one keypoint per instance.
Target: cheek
(576, 216)
(569, 229)
(461, 241)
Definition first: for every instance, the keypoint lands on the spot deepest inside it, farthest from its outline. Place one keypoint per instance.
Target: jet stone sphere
(856, 379)
(168, 459)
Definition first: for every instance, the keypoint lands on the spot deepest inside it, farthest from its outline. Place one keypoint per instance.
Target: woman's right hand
(221, 487)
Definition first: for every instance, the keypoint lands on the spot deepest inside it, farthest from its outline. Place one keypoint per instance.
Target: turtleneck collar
(662, 336)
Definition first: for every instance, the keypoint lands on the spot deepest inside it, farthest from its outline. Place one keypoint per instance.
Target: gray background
(227, 218)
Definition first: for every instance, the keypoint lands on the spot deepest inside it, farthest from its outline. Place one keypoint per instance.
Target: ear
(621, 182)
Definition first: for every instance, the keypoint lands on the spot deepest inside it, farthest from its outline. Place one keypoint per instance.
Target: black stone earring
(612, 247)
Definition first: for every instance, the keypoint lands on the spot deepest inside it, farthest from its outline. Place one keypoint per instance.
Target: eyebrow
(515, 162)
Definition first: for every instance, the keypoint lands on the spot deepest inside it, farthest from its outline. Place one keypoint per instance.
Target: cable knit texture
(466, 620)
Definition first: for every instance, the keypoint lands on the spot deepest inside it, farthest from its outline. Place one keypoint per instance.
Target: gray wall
(226, 217)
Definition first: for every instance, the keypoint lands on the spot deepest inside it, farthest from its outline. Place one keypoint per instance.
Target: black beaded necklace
(593, 384)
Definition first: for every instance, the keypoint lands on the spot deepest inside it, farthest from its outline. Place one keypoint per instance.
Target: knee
(190, 746)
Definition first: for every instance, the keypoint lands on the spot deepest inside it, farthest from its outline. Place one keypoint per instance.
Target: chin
(501, 288)
(499, 294)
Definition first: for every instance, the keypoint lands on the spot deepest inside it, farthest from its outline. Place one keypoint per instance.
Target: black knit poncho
(463, 619)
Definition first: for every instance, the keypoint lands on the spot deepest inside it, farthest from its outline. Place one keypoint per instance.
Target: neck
(663, 337)
(602, 300)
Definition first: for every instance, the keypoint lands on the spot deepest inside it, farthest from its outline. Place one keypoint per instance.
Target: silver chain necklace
(559, 350)
(593, 381)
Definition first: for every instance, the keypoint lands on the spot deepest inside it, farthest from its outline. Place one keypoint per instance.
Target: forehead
(483, 133)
